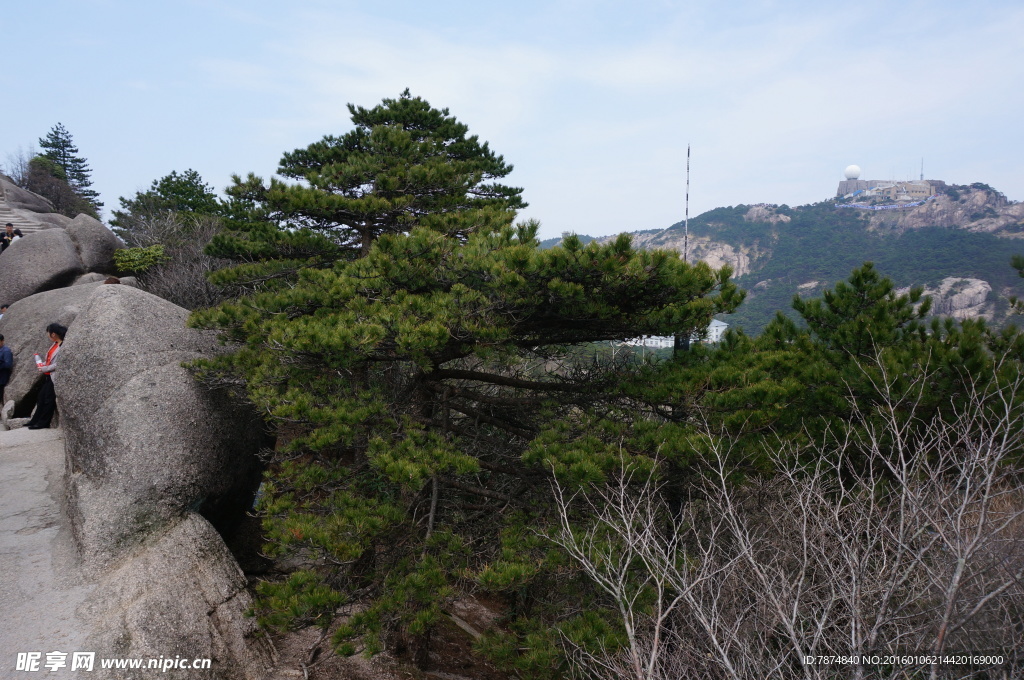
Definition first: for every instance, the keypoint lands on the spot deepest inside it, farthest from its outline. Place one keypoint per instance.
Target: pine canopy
(405, 164)
(60, 148)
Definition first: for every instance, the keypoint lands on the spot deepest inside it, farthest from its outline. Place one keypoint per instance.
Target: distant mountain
(552, 242)
(957, 245)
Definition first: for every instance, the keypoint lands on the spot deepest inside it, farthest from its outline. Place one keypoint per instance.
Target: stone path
(38, 589)
(7, 214)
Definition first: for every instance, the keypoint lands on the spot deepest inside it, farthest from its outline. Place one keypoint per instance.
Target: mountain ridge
(957, 245)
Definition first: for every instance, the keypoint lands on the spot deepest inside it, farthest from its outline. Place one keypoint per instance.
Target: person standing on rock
(6, 364)
(7, 237)
(46, 404)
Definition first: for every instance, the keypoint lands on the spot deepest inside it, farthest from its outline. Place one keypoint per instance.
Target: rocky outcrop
(764, 213)
(45, 220)
(978, 210)
(157, 467)
(95, 244)
(53, 258)
(38, 262)
(146, 444)
(180, 595)
(715, 253)
(24, 330)
(809, 287)
(961, 298)
(719, 254)
(20, 199)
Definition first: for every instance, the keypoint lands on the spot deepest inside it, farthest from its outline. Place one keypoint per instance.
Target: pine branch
(494, 379)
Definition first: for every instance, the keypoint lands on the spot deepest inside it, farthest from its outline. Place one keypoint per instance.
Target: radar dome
(852, 171)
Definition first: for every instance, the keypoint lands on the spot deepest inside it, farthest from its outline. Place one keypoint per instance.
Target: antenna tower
(680, 343)
(686, 220)
(922, 169)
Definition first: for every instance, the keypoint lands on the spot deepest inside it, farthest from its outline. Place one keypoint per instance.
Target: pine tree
(167, 229)
(421, 351)
(59, 147)
(184, 193)
(48, 179)
(174, 192)
(405, 164)
(860, 343)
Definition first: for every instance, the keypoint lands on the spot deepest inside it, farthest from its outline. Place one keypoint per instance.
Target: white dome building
(853, 184)
(898, 192)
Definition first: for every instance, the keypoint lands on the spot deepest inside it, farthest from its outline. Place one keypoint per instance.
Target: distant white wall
(713, 334)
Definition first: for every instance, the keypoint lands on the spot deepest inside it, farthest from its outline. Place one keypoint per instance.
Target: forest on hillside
(844, 485)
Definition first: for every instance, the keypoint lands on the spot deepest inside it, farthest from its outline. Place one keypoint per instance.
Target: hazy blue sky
(593, 102)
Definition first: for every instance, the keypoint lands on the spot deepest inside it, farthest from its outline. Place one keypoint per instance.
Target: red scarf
(49, 354)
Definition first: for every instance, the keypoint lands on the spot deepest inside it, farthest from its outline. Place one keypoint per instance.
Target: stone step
(19, 223)
(27, 226)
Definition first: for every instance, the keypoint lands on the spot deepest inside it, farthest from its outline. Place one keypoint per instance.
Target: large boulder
(24, 330)
(46, 220)
(23, 199)
(145, 442)
(40, 261)
(95, 243)
(182, 594)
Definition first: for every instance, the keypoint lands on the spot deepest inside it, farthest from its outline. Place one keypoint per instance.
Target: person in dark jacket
(6, 364)
(46, 404)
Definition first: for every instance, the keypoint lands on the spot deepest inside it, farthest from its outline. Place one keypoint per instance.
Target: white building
(713, 333)
(716, 330)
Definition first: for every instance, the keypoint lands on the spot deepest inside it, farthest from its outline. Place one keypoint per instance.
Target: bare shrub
(915, 551)
(17, 165)
(183, 278)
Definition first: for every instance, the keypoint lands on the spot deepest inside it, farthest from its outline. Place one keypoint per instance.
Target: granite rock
(95, 244)
(145, 442)
(24, 330)
(41, 261)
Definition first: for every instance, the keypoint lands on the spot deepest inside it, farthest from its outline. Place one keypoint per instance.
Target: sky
(593, 102)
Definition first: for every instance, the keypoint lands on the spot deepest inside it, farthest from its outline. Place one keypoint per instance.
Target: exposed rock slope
(973, 209)
(961, 298)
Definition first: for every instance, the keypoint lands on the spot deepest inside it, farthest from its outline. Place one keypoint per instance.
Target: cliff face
(742, 257)
(961, 298)
(766, 213)
(970, 208)
(715, 253)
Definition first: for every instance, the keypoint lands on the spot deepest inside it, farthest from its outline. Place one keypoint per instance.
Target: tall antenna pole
(680, 343)
(686, 221)
(922, 169)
